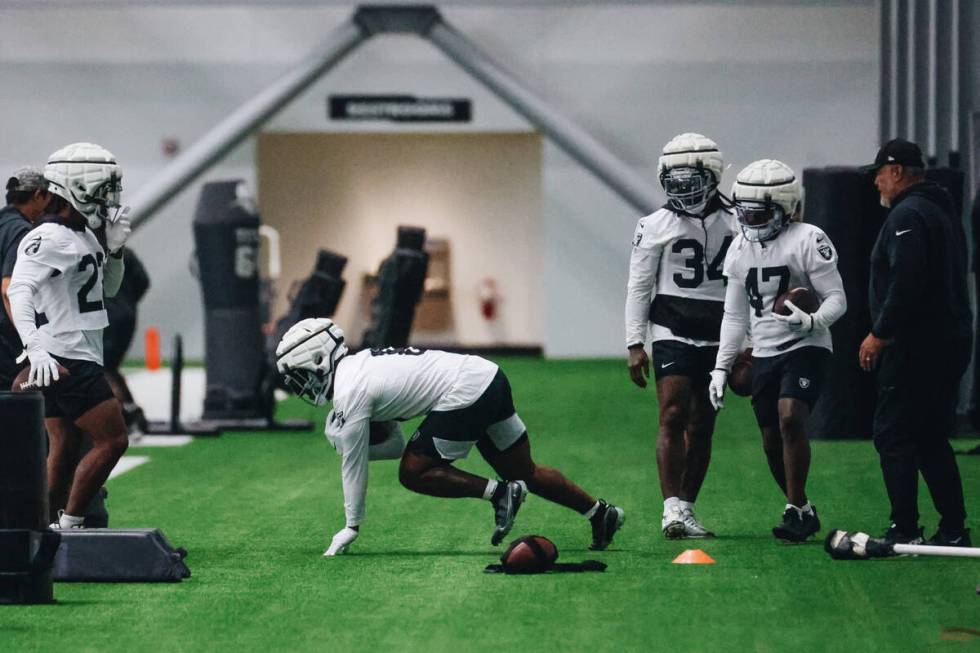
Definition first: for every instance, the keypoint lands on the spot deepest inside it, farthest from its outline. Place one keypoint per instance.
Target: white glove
(798, 321)
(118, 229)
(44, 368)
(341, 541)
(716, 388)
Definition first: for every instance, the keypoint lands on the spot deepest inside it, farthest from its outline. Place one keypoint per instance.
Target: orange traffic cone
(694, 557)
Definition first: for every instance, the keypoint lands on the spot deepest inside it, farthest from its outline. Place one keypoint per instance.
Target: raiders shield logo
(826, 251)
(637, 237)
(804, 383)
(33, 245)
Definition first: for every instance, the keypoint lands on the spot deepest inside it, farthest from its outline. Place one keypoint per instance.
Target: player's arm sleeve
(907, 284)
(387, 441)
(734, 324)
(821, 257)
(27, 277)
(352, 444)
(644, 261)
(112, 275)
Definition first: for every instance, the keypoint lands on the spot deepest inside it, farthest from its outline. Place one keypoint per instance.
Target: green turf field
(256, 511)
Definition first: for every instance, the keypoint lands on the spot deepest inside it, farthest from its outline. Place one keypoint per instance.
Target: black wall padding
(226, 235)
(25, 552)
(137, 555)
(844, 203)
(401, 281)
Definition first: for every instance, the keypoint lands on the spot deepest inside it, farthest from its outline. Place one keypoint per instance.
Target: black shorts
(490, 421)
(74, 395)
(797, 374)
(675, 358)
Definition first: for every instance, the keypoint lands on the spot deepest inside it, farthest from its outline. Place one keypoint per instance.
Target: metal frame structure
(368, 21)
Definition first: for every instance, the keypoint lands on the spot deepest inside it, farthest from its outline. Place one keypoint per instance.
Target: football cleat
(505, 509)
(672, 523)
(895, 535)
(693, 528)
(948, 538)
(605, 522)
(797, 525)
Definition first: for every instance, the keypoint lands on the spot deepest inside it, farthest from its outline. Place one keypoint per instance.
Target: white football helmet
(88, 176)
(307, 358)
(690, 171)
(766, 196)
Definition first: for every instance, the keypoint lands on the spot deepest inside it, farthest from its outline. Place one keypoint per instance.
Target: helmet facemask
(689, 188)
(312, 386)
(307, 358)
(760, 221)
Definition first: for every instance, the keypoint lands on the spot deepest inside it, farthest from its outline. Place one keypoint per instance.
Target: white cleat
(692, 527)
(673, 524)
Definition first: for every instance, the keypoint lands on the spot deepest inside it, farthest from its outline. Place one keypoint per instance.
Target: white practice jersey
(800, 256)
(676, 263)
(380, 385)
(64, 267)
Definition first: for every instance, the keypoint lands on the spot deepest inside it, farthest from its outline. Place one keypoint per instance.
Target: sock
(672, 503)
(686, 505)
(70, 521)
(490, 490)
(593, 510)
(807, 509)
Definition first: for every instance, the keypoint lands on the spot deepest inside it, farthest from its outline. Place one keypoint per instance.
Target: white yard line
(162, 441)
(127, 463)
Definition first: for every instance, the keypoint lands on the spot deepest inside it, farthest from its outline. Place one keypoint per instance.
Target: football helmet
(690, 171)
(307, 358)
(766, 196)
(88, 176)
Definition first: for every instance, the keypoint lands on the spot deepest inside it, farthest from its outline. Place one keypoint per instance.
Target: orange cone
(694, 557)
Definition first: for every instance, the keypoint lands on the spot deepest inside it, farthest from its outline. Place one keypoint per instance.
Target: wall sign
(398, 108)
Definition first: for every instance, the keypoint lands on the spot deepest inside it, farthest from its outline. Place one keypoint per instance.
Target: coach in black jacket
(920, 343)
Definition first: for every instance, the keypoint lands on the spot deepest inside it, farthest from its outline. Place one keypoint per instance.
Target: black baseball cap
(898, 151)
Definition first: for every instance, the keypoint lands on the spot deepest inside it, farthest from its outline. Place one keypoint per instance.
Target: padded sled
(113, 555)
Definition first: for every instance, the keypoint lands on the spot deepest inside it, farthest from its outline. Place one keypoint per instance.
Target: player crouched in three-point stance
(56, 292)
(466, 401)
(773, 254)
(676, 283)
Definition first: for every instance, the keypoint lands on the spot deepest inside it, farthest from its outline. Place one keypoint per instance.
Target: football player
(56, 299)
(466, 400)
(676, 283)
(773, 253)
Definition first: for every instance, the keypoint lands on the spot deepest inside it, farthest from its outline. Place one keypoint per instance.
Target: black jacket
(918, 284)
(13, 226)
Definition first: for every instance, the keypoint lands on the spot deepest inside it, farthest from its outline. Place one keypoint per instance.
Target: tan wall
(349, 192)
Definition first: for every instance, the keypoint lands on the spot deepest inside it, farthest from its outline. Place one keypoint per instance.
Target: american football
(803, 298)
(21, 383)
(740, 379)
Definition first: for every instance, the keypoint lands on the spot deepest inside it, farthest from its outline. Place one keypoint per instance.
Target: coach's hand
(798, 321)
(716, 388)
(341, 541)
(639, 365)
(44, 368)
(870, 350)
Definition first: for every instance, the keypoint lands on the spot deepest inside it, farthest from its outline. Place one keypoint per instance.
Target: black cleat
(894, 535)
(951, 538)
(605, 522)
(796, 527)
(505, 508)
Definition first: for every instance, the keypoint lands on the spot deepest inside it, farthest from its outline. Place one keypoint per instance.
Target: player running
(56, 299)
(466, 400)
(676, 283)
(772, 254)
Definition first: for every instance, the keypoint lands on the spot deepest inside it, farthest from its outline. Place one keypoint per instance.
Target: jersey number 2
(84, 305)
(696, 262)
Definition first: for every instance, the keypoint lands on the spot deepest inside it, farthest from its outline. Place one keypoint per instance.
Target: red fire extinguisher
(489, 298)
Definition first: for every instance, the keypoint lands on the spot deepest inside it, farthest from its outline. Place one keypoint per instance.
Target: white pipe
(271, 235)
(237, 126)
(946, 551)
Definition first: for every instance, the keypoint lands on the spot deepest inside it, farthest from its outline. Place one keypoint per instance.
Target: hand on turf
(798, 321)
(118, 229)
(341, 541)
(639, 365)
(716, 388)
(44, 369)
